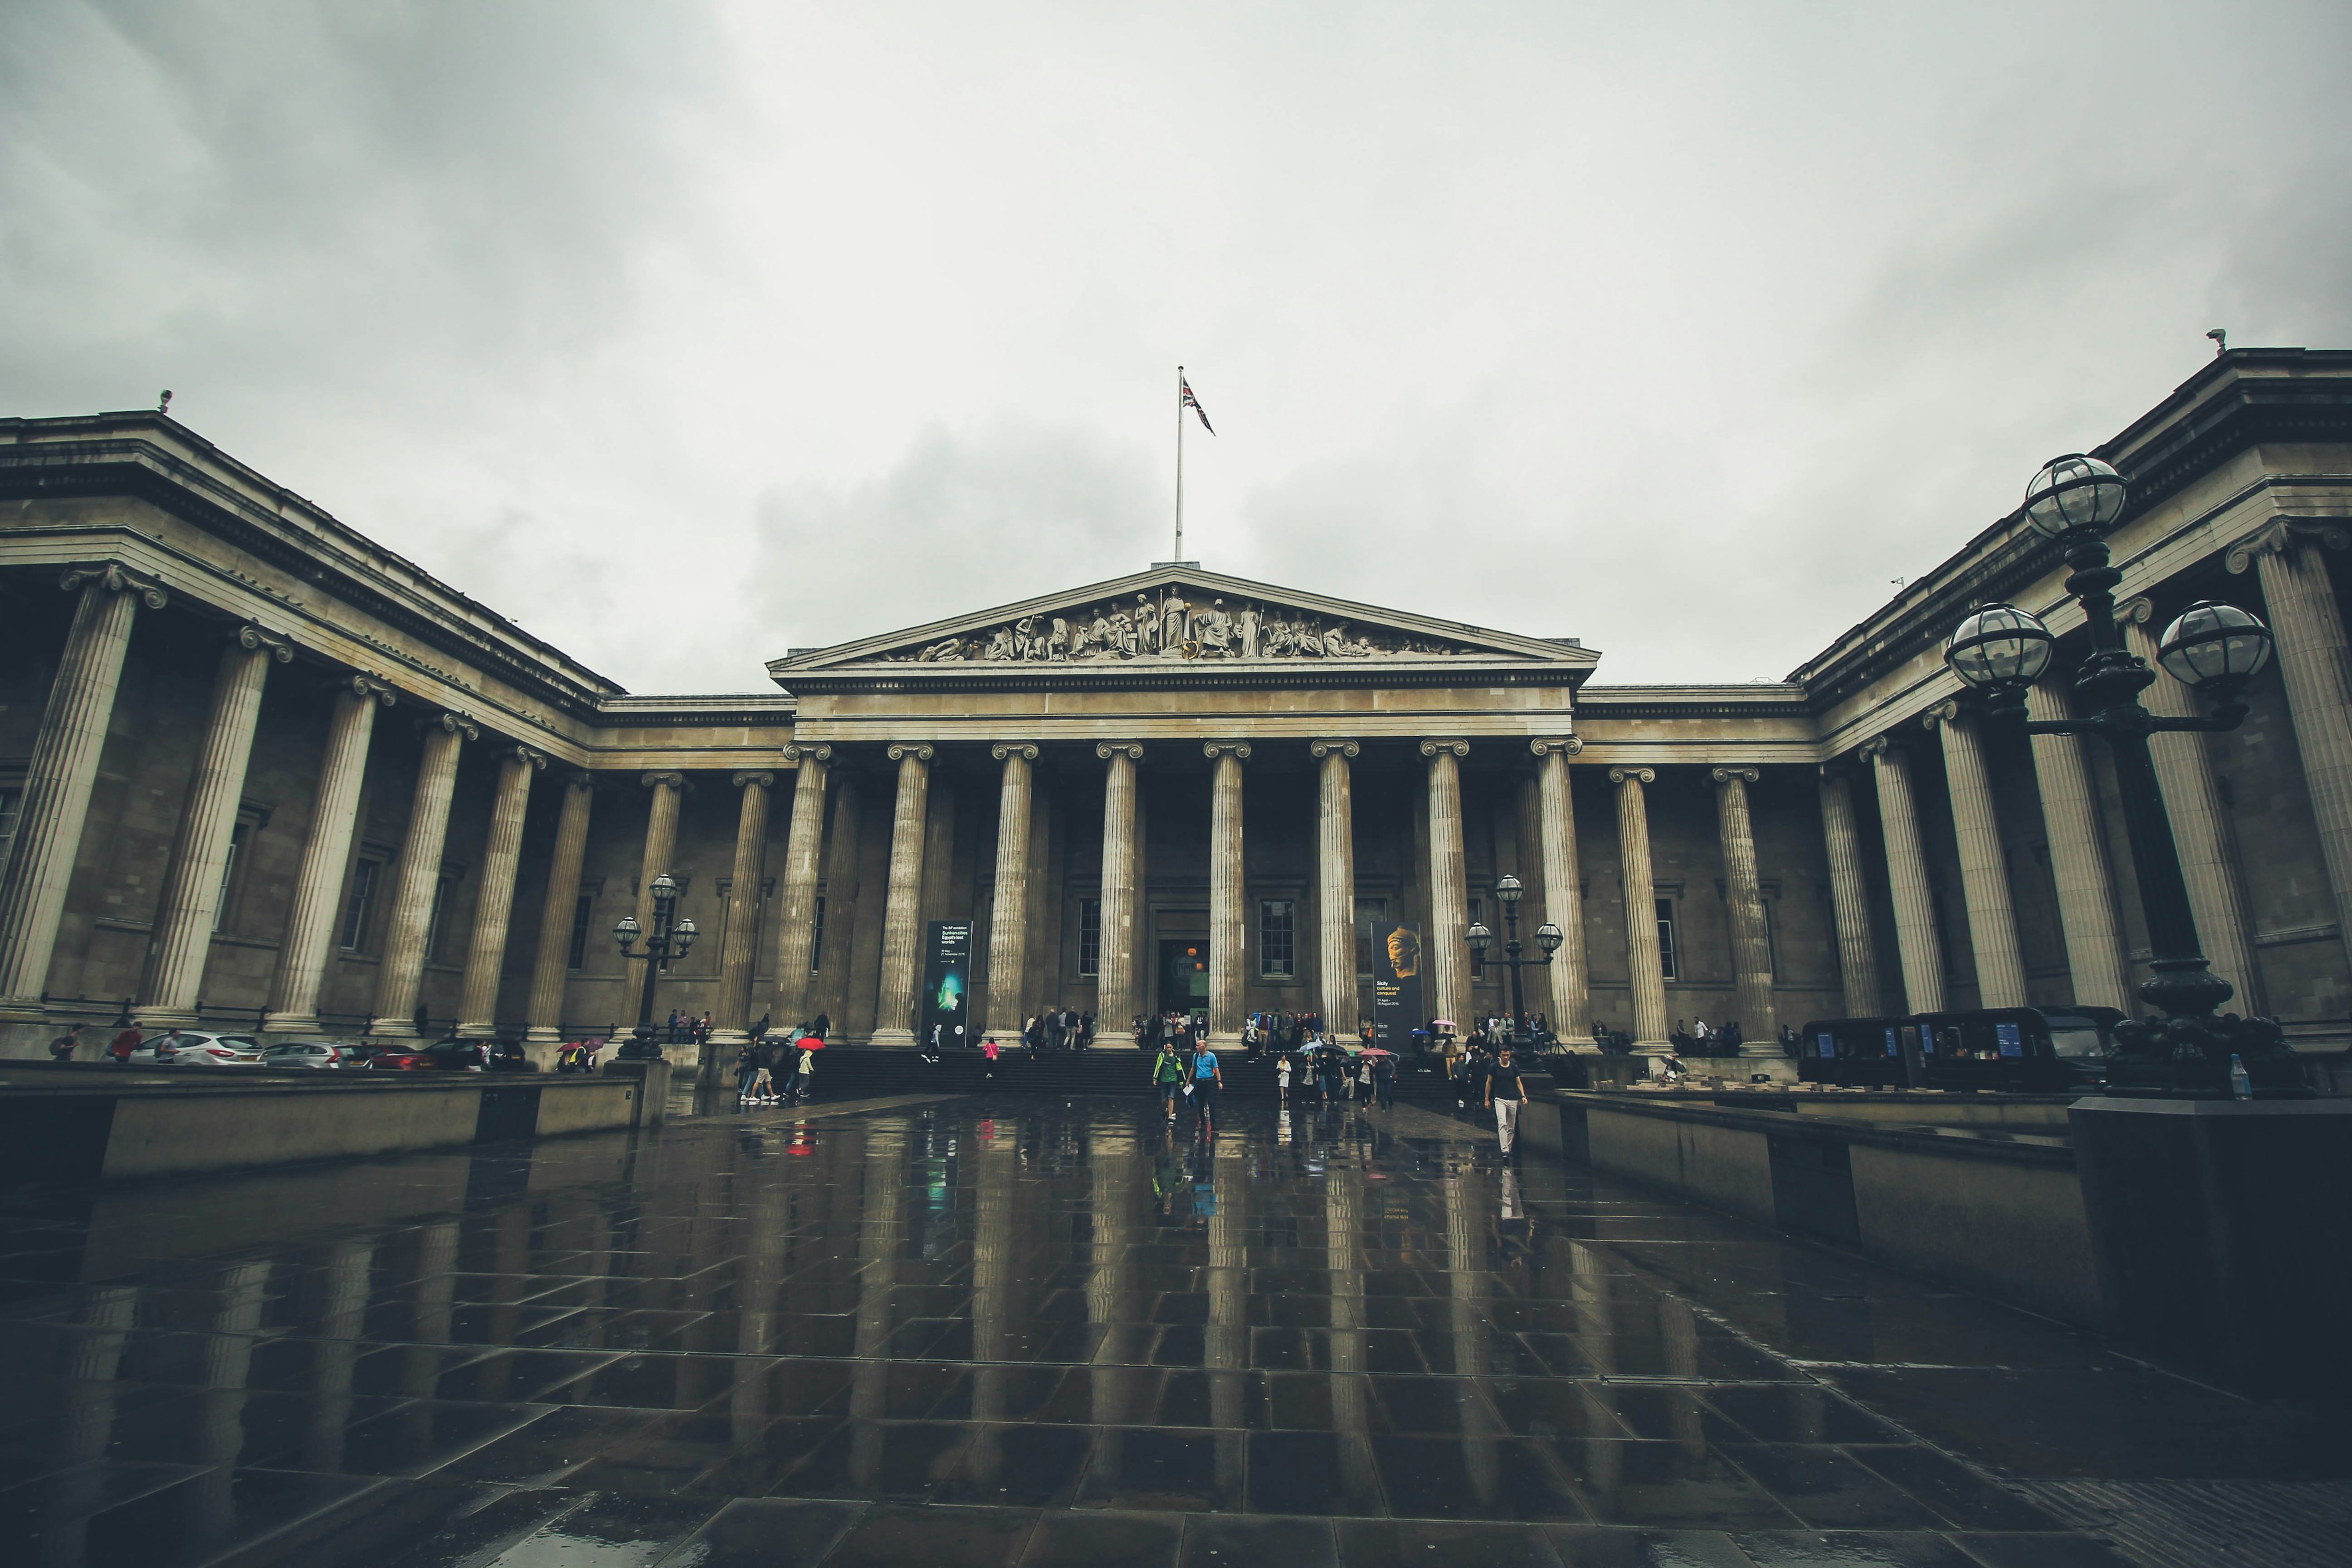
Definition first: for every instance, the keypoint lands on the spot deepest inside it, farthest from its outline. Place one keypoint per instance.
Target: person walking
(1282, 1078)
(804, 1079)
(1206, 1080)
(1385, 1079)
(63, 1047)
(989, 1050)
(1503, 1097)
(1168, 1072)
(747, 1069)
(128, 1041)
(763, 1077)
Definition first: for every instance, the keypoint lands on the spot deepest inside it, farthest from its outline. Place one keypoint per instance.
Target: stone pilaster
(902, 908)
(2316, 668)
(189, 909)
(485, 951)
(2078, 856)
(1743, 892)
(58, 780)
(1335, 882)
(669, 793)
(1569, 972)
(1984, 867)
(830, 994)
(1448, 958)
(1115, 999)
(1645, 965)
(1008, 923)
(796, 902)
(401, 972)
(551, 968)
(1228, 921)
(1906, 878)
(2200, 823)
(1849, 896)
(326, 856)
(740, 952)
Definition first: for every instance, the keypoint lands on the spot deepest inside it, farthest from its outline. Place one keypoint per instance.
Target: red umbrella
(1374, 1051)
(809, 1043)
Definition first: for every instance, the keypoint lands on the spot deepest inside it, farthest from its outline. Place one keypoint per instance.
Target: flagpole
(1180, 464)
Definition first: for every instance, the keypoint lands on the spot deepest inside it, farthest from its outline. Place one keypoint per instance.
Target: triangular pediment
(1171, 616)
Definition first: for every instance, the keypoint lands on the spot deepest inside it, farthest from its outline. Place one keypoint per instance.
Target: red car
(445, 1056)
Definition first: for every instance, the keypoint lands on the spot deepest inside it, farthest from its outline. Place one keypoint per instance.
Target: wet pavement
(1020, 1331)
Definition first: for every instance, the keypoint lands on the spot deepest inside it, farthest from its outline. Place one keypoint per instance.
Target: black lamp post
(2000, 650)
(669, 939)
(1508, 893)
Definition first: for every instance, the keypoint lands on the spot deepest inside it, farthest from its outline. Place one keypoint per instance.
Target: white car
(196, 1049)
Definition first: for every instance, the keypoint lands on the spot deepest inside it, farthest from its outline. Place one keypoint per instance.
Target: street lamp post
(669, 939)
(2000, 650)
(1508, 893)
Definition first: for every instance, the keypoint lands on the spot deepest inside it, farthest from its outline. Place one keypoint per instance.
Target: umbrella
(1372, 1051)
(1441, 1024)
(809, 1043)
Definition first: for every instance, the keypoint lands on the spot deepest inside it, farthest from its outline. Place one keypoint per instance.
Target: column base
(1769, 1050)
(477, 1031)
(290, 1023)
(1232, 1042)
(730, 1037)
(392, 1029)
(542, 1034)
(150, 1019)
(895, 1040)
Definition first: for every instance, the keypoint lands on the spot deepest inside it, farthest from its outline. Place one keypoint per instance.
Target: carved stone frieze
(1167, 627)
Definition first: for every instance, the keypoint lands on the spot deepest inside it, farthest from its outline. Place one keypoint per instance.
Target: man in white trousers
(1503, 1097)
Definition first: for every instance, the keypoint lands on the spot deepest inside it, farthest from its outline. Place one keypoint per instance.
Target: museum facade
(257, 771)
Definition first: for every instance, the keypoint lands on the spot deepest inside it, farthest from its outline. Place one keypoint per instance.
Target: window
(12, 803)
(433, 922)
(1477, 913)
(360, 907)
(817, 934)
(228, 876)
(1089, 938)
(1370, 914)
(1277, 931)
(1667, 953)
(583, 910)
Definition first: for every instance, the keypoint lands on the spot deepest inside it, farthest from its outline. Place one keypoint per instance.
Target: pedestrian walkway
(1011, 1331)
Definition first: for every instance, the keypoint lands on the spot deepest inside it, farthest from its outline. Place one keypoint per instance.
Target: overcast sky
(1680, 328)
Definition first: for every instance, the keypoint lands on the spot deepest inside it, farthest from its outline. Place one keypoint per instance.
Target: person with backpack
(1169, 1074)
(1206, 1080)
(747, 1069)
(1385, 1079)
(62, 1049)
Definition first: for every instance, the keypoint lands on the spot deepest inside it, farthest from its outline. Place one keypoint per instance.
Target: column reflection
(1227, 1339)
(1111, 1305)
(224, 1363)
(343, 1319)
(1596, 1333)
(1350, 1389)
(994, 1253)
(884, 1191)
(1467, 1207)
(86, 1417)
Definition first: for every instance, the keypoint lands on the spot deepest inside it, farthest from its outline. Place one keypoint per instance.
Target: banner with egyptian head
(1396, 984)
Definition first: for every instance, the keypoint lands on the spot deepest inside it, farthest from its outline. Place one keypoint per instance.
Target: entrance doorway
(1184, 974)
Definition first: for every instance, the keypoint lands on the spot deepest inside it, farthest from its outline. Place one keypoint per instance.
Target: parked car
(449, 1056)
(311, 1054)
(194, 1048)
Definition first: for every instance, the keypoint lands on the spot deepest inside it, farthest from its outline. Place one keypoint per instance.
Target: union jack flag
(1192, 403)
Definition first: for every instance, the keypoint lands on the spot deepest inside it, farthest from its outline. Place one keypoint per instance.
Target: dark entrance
(1184, 974)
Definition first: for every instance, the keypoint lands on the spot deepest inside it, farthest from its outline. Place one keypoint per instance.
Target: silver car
(194, 1048)
(310, 1054)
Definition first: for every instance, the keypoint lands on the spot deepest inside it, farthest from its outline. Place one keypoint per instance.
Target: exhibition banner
(946, 986)
(1396, 985)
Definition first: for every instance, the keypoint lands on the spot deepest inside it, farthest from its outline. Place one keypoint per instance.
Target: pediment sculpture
(1169, 627)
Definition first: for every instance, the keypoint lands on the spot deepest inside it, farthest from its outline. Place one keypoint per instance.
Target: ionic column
(1645, 965)
(830, 997)
(1984, 868)
(1567, 973)
(1228, 924)
(63, 771)
(403, 970)
(2078, 856)
(326, 855)
(1334, 879)
(661, 837)
(2317, 671)
(1906, 878)
(1115, 987)
(486, 953)
(1849, 898)
(189, 908)
(902, 907)
(1449, 885)
(741, 948)
(1008, 923)
(2200, 823)
(1751, 946)
(796, 900)
(551, 968)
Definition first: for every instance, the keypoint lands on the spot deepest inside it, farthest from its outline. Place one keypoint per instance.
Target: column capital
(580, 779)
(1212, 750)
(762, 779)
(2281, 534)
(364, 687)
(1567, 745)
(116, 577)
(536, 761)
(655, 777)
(1025, 749)
(1635, 775)
(1319, 749)
(794, 751)
(2139, 609)
(1107, 750)
(1947, 712)
(921, 751)
(1460, 747)
(1879, 745)
(452, 724)
(1744, 774)
(256, 638)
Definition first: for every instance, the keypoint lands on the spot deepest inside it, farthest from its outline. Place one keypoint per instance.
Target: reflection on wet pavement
(1019, 1332)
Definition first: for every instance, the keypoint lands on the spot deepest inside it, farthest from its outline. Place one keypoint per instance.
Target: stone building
(257, 770)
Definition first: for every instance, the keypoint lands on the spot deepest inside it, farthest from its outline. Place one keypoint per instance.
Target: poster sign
(1396, 984)
(946, 986)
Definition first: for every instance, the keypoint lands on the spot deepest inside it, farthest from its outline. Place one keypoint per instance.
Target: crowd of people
(779, 1067)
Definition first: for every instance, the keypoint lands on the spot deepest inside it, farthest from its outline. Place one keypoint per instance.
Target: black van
(1856, 1053)
(2020, 1050)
